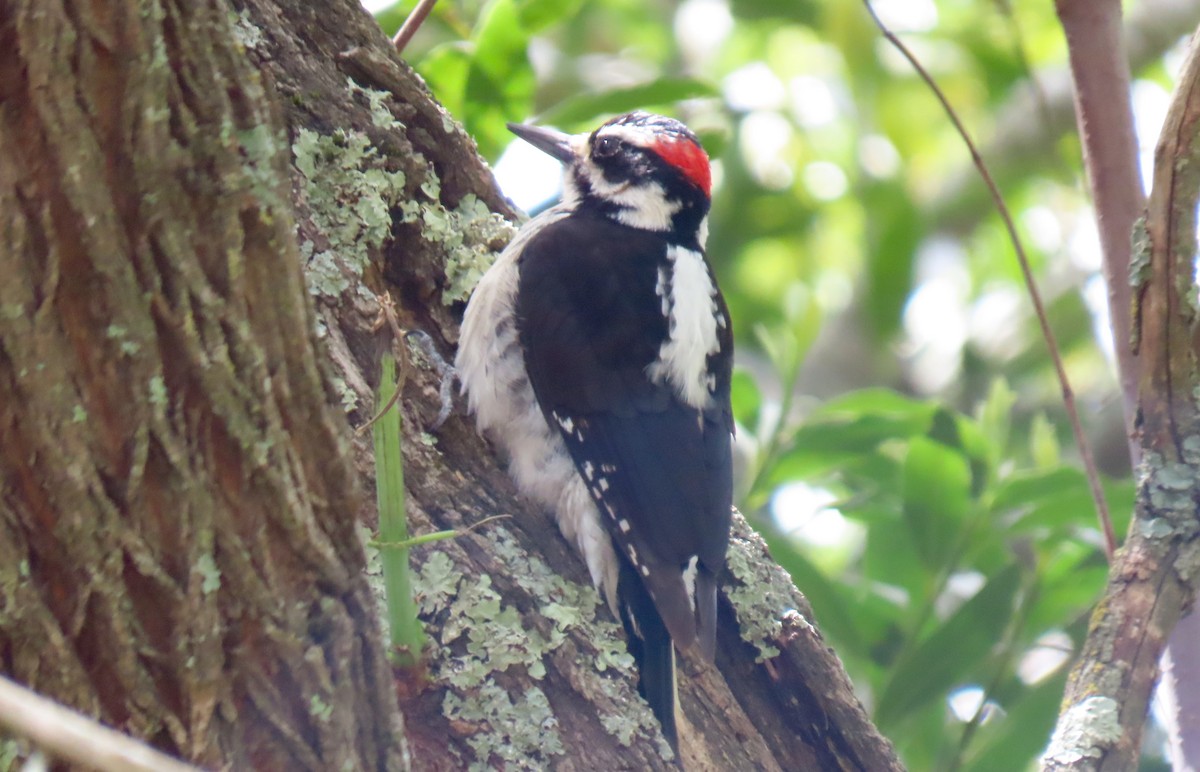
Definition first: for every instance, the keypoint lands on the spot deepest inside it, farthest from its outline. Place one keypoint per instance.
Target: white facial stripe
(642, 205)
(631, 134)
(648, 208)
(683, 357)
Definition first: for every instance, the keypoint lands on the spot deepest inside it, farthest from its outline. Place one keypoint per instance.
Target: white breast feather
(492, 369)
(692, 319)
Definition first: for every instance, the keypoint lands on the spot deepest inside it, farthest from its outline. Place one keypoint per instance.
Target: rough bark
(177, 543)
(1154, 577)
(179, 553)
(1099, 70)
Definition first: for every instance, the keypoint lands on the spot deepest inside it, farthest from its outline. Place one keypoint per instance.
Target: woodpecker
(597, 353)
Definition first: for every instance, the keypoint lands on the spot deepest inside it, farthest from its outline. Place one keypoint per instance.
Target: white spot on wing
(689, 581)
(623, 524)
(633, 622)
(589, 471)
(683, 357)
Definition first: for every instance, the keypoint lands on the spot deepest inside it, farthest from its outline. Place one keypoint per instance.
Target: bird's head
(640, 169)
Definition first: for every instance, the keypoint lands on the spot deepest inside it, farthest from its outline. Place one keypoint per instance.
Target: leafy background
(902, 441)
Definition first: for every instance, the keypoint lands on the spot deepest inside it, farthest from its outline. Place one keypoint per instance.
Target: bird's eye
(605, 147)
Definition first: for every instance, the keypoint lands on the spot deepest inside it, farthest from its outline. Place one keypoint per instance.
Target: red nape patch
(689, 158)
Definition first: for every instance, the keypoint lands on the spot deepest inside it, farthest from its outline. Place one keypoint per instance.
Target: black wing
(660, 470)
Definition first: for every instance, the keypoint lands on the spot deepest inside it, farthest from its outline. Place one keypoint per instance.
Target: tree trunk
(177, 549)
(201, 206)
(1154, 577)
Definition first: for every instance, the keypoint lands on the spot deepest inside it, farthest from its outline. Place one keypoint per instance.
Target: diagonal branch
(69, 735)
(1155, 576)
(1105, 118)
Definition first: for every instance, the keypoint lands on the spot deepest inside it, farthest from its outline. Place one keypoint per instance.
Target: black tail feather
(652, 650)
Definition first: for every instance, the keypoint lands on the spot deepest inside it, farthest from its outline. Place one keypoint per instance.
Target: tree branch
(525, 667)
(72, 736)
(1105, 118)
(1156, 573)
(178, 552)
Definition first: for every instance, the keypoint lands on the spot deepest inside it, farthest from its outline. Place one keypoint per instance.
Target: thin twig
(412, 24)
(1085, 451)
(70, 736)
(427, 538)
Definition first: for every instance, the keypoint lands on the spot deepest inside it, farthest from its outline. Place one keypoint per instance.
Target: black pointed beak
(549, 141)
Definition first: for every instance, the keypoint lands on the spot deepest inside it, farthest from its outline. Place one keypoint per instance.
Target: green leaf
(937, 498)
(499, 82)
(894, 231)
(586, 109)
(1009, 742)
(878, 402)
(1044, 498)
(951, 654)
(862, 420)
(995, 413)
(1071, 577)
(847, 434)
(891, 561)
(1043, 442)
(964, 435)
(536, 15)
(746, 398)
(805, 12)
(391, 17)
(445, 70)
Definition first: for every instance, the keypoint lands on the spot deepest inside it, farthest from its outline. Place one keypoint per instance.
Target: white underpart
(692, 329)
(492, 369)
